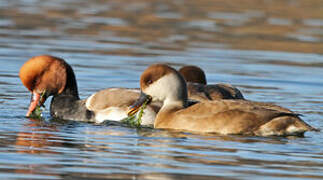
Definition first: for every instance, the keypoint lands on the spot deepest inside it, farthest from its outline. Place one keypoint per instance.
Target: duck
(199, 90)
(160, 82)
(46, 76)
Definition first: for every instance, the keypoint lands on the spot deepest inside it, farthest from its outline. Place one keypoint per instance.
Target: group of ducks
(179, 100)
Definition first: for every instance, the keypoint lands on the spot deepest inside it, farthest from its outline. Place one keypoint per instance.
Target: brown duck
(160, 82)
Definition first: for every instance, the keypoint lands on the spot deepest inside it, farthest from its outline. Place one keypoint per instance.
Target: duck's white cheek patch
(163, 87)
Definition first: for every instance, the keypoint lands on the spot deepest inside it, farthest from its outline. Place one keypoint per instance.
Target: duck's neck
(70, 93)
(167, 110)
(71, 85)
(67, 104)
(174, 104)
(175, 101)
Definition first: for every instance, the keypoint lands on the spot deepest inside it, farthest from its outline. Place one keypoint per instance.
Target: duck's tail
(286, 125)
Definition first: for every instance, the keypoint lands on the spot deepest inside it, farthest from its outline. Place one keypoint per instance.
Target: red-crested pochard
(199, 90)
(48, 76)
(160, 82)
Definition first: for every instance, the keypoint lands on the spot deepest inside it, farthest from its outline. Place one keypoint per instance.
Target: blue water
(270, 57)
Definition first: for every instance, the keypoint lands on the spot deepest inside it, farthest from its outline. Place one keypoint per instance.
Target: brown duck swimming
(160, 82)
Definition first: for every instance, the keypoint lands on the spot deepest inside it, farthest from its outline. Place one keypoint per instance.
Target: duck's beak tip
(34, 101)
(28, 114)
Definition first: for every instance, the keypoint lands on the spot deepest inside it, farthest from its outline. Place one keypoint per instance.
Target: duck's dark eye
(149, 81)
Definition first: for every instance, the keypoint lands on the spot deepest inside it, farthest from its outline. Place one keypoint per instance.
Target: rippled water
(271, 50)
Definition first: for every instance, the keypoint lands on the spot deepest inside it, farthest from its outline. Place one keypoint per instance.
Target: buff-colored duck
(160, 82)
(199, 90)
(48, 76)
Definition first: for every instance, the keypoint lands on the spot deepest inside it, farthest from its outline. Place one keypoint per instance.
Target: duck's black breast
(69, 107)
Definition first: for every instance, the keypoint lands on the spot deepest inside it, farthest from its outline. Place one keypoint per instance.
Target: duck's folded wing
(233, 117)
(223, 91)
(112, 97)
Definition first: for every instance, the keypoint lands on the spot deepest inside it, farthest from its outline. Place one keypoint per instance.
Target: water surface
(271, 50)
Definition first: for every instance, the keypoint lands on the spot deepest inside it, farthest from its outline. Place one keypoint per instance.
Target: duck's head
(193, 74)
(160, 82)
(43, 76)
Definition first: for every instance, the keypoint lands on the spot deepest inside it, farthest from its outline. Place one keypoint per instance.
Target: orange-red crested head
(43, 75)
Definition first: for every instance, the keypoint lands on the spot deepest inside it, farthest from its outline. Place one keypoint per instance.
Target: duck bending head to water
(46, 76)
(159, 82)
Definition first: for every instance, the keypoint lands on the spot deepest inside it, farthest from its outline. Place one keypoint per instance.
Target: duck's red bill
(35, 100)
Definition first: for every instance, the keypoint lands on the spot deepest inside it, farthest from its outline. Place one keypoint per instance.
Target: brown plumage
(199, 90)
(164, 83)
(193, 74)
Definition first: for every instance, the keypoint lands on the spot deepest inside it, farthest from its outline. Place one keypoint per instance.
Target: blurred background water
(271, 50)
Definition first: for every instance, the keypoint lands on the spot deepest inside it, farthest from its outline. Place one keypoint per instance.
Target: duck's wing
(270, 106)
(196, 92)
(202, 92)
(235, 117)
(112, 97)
(223, 91)
(113, 104)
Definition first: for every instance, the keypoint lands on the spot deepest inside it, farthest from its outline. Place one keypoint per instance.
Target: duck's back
(233, 117)
(227, 90)
(113, 104)
(202, 92)
(112, 97)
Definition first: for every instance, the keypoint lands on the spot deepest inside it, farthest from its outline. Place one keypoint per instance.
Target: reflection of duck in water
(160, 82)
(48, 76)
(38, 140)
(199, 90)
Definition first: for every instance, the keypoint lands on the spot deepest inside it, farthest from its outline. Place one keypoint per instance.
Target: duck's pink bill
(35, 98)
